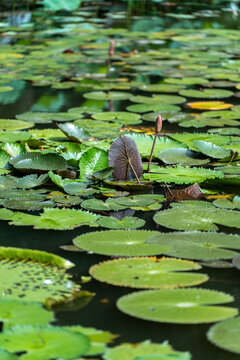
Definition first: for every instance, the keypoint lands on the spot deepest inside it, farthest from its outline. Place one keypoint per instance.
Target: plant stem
(133, 170)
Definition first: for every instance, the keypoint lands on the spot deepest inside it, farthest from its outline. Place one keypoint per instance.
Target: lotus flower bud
(111, 48)
(158, 127)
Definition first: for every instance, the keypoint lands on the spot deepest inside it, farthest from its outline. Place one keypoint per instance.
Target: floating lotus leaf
(179, 306)
(73, 132)
(19, 312)
(181, 156)
(111, 95)
(227, 204)
(134, 201)
(78, 188)
(5, 355)
(146, 348)
(186, 81)
(13, 136)
(211, 149)
(6, 124)
(166, 99)
(201, 121)
(197, 245)
(157, 107)
(38, 162)
(182, 175)
(236, 262)
(31, 181)
(46, 117)
(148, 273)
(217, 264)
(100, 205)
(131, 185)
(162, 88)
(57, 219)
(47, 134)
(4, 157)
(206, 93)
(119, 243)
(209, 105)
(197, 218)
(32, 275)
(116, 116)
(7, 182)
(145, 143)
(45, 343)
(125, 158)
(189, 138)
(225, 131)
(226, 335)
(92, 160)
(28, 205)
(230, 115)
(127, 222)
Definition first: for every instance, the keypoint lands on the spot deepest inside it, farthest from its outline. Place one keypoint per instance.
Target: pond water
(174, 41)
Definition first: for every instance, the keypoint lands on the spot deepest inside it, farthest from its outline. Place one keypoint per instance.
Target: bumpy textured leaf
(45, 342)
(93, 160)
(36, 161)
(197, 245)
(181, 306)
(124, 157)
(148, 273)
(146, 348)
(212, 150)
(73, 132)
(226, 335)
(119, 243)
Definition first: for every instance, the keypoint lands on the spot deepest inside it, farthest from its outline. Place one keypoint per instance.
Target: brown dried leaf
(192, 192)
(124, 157)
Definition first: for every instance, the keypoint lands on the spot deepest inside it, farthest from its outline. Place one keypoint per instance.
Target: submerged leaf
(124, 157)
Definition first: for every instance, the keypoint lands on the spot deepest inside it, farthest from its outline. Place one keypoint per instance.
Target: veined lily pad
(157, 98)
(46, 342)
(189, 138)
(162, 88)
(157, 107)
(148, 273)
(116, 116)
(38, 162)
(226, 335)
(111, 95)
(206, 93)
(187, 81)
(211, 149)
(127, 222)
(182, 175)
(146, 348)
(227, 204)
(134, 201)
(197, 245)
(181, 306)
(197, 218)
(100, 205)
(118, 243)
(73, 132)
(6, 124)
(181, 156)
(14, 136)
(93, 160)
(19, 312)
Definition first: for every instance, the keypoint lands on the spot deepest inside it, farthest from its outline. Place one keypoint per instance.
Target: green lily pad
(73, 132)
(38, 162)
(93, 160)
(226, 335)
(211, 149)
(118, 243)
(116, 116)
(197, 245)
(179, 306)
(111, 95)
(186, 81)
(197, 218)
(182, 175)
(227, 204)
(162, 88)
(5, 355)
(144, 349)
(148, 273)
(127, 222)
(14, 136)
(100, 205)
(181, 156)
(44, 342)
(207, 93)
(135, 201)
(189, 138)
(6, 124)
(157, 107)
(46, 117)
(19, 312)
(166, 99)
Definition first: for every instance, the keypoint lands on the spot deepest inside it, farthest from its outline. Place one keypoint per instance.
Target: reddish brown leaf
(192, 192)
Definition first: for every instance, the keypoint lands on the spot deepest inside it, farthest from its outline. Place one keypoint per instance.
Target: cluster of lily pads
(55, 174)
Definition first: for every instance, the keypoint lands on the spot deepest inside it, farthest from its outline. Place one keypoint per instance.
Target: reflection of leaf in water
(124, 157)
(12, 96)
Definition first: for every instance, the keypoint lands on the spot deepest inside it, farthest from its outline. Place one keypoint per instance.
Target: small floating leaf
(149, 273)
(181, 156)
(127, 222)
(111, 95)
(207, 93)
(73, 132)
(179, 306)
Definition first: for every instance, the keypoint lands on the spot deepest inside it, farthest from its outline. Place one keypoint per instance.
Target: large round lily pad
(181, 156)
(197, 245)
(206, 93)
(148, 273)
(179, 306)
(119, 243)
(226, 335)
